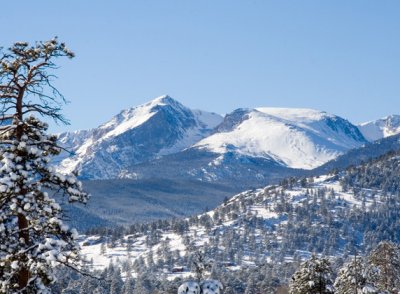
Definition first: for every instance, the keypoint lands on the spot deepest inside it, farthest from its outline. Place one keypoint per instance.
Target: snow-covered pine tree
(352, 278)
(384, 267)
(313, 277)
(200, 265)
(251, 285)
(33, 238)
(116, 282)
(128, 286)
(85, 286)
(142, 285)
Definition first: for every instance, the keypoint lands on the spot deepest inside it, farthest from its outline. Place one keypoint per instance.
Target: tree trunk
(23, 224)
(23, 276)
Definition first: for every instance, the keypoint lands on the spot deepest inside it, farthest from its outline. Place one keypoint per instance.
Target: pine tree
(103, 248)
(127, 287)
(313, 277)
(142, 285)
(384, 263)
(33, 238)
(85, 287)
(251, 287)
(116, 282)
(352, 278)
(200, 265)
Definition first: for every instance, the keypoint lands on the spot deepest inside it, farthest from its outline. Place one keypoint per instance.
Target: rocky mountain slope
(140, 134)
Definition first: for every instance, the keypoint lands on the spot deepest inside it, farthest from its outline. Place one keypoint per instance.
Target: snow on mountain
(159, 127)
(381, 128)
(277, 137)
(296, 138)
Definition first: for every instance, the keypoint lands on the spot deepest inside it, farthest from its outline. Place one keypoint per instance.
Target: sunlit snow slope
(159, 127)
(298, 138)
(381, 128)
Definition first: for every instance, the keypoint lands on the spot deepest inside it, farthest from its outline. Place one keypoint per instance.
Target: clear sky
(218, 55)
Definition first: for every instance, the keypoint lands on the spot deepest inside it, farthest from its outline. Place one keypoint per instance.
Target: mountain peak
(135, 116)
(162, 101)
(381, 128)
(233, 119)
(159, 127)
(386, 119)
(392, 120)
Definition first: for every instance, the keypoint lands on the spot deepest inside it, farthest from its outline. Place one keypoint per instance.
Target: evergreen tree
(128, 286)
(352, 279)
(200, 265)
(384, 264)
(99, 290)
(251, 287)
(313, 277)
(33, 237)
(142, 285)
(85, 286)
(103, 248)
(116, 282)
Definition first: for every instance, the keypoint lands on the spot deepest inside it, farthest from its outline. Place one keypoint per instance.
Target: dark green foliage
(313, 277)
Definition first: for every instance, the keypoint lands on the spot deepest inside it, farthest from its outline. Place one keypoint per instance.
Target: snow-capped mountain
(137, 143)
(295, 138)
(381, 128)
(159, 127)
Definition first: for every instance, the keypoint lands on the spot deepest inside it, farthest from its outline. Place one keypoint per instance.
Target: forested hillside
(264, 234)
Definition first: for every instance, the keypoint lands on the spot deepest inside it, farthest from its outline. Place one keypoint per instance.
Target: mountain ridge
(292, 138)
(297, 140)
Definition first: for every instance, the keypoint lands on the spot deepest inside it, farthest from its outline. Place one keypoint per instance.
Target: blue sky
(339, 56)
